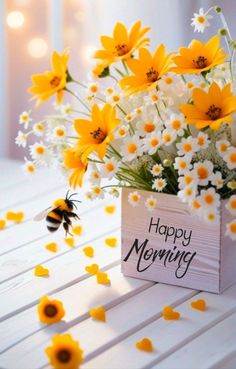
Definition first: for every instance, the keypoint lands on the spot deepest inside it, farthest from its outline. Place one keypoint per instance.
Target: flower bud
(167, 163)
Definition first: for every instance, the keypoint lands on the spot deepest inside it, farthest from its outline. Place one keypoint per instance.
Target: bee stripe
(51, 229)
(54, 215)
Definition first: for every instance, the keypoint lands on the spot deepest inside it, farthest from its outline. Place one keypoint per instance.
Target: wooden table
(198, 340)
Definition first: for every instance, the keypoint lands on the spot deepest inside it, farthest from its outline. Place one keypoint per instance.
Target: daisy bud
(167, 163)
(223, 31)
(218, 9)
(231, 185)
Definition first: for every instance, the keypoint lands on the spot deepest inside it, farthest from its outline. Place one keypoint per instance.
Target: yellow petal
(88, 251)
(40, 271)
(112, 241)
(98, 313)
(2, 224)
(53, 247)
(77, 230)
(110, 209)
(70, 241)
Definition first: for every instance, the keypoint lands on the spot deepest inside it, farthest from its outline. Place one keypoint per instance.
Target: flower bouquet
(161, 126)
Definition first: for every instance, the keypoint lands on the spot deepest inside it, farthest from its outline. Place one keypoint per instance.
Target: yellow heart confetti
(10, 215)
(144, 345)
(70, 241)
(53, 247)
(88, 251)
(199, 305)
(92, 269)
(40, 271)
(2, 224)
(19, 217)
(110, 209)
(77, 230)
(169, 313)
(98, 313)
(111, 242)
(102, 278)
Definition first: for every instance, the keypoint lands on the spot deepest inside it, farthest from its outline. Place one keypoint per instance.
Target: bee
(61, 212)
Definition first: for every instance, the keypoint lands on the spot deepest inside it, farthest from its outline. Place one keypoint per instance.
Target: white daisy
(109, 168)
(168, 136)
(230, 158)
(231, 229)
(39, 129)
(176, 123)
(200, 21)
(182, 164)
(129, 117)
(156, 170)
(59, 132)
(204, 172)
(25, 119)
(188, 179)
(109, 91)
(231, 205)
(159, 184)
(138, 111)
(29, 167)
(187, 146)
(114, 98)
(21, 139)
(97, 192)
(114, 192)
(150, 203)
(152, 142)
(202, 140)
(187, 194)
(222, 146)
(95, 176)
(38, 151)
(66, 109)
(195, 205)
(209, 198)
(134, 198)
(131, 148)
(146, 127)
(93, 88)
(211, 216)
(217, 180)
(121, 131)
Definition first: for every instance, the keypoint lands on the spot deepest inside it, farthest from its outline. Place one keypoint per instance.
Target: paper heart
(112, 242)
(51, 247)
(110, 209)
(2, 223)
(70, 241)
(169, 313)
(199, 304)
(102, 278)
(98, 313)
(88, 251)
(145, 345)
(92, 269)
(19, 217)
(77, 230)
(40, 271)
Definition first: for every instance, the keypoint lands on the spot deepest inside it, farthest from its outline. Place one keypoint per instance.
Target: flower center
(202, 173)
(213, 112)
(98, 135)
(64, 356)
(176, 124)
(233, 227)
(55, 81)
(152, 75)
(200, 62)
(50, 310)
(121, 49)
(201, 19)
(187, 147)
(132, 148)
(60, 132)
(40, 150)
(110, 167)
(30, 168)
(233, 158)
(154, 142)
(209, 199)
(149, 127)
(233, 204)
(200, 141)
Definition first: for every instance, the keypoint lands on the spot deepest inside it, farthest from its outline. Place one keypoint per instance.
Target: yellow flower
(51, 82)
(210, 108)
(147, 70)
(65, 353)
(123, 43)
(199, 57)
(72, 160)
(95, 134)
(50, 311)
(100, 70)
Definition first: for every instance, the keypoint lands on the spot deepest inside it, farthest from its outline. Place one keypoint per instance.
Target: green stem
(78, 98)
(158, 112)
(125, 67)
(119, 72)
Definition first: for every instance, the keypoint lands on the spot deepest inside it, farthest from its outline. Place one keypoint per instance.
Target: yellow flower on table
(199, 57)
(72, 160)
(65, 352)
(210, 108)
(51, 82)
(123, 43)
(95, 134)
(50, 311)
(147, 70)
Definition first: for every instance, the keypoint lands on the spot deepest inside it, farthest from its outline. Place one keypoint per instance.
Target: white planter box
(170, 245)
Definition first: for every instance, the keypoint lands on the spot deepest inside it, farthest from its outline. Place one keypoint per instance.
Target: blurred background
(31, 29)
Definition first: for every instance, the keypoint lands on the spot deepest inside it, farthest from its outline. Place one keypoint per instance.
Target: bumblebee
(61, 212)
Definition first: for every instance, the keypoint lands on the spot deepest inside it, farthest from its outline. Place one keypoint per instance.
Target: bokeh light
(37, 47)
(88, 52)
(15, 19)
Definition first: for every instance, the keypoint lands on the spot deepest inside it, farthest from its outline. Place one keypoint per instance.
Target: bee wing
(42, 214)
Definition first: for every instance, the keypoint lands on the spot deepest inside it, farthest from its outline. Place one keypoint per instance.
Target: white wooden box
(170, 245)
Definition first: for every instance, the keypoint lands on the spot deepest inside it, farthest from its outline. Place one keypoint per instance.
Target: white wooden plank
(95, 223)
(167, 336)
(77, 299)
(227, 363)
(122, 320)
(25, 290)
(209, 350)
(29, 231)
(11, 173)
